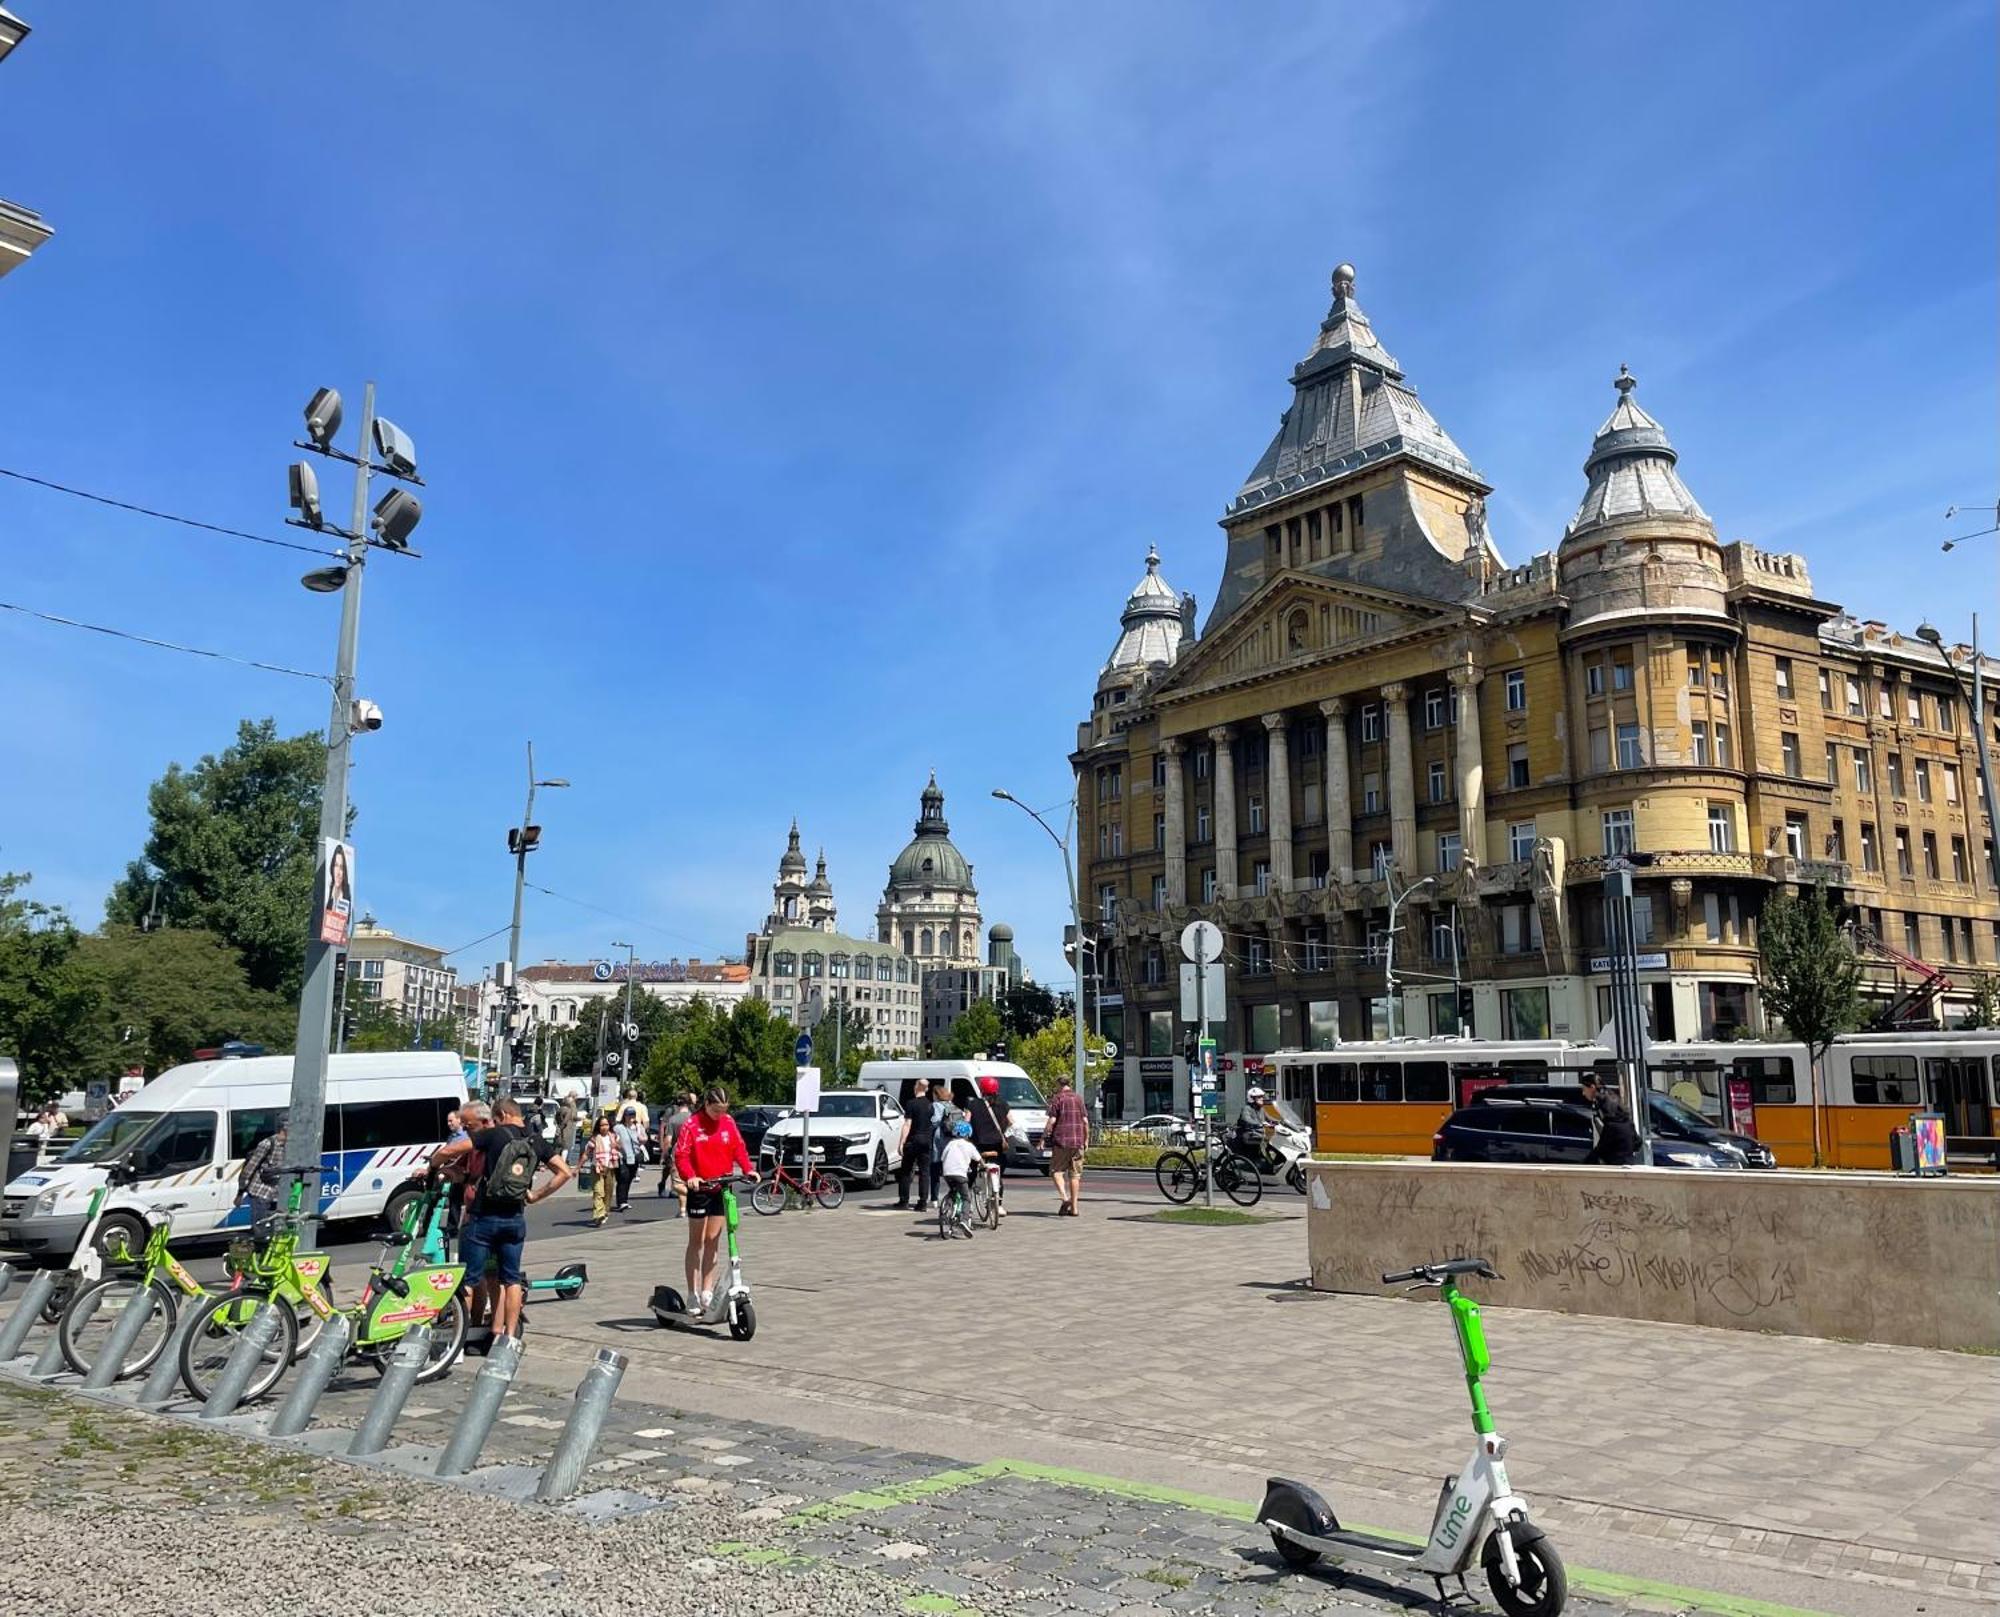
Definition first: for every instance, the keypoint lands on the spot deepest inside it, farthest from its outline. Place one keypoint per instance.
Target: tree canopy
(977, 1030)
(745, 1049)
(1810, 976)
(232, 850)
(1046, 1056)
(50, 1000)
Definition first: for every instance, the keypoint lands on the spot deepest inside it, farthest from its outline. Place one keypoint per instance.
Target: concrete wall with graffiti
(1866, 1257)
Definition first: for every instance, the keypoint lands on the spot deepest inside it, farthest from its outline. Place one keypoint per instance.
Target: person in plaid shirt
(1067, 1134)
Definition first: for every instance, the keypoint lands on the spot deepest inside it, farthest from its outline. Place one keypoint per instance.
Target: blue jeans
(495, 1238)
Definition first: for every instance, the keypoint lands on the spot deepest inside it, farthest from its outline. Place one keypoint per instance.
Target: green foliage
(232, 850)
(1807, 968)
(168, 993)
(1050, 1054)
(840, 1031)
(652, 1015)
(49, 998)
(745, 1049)
(374, 1025)
(979, 1029)
(1027, 1008)
(1985, 1008)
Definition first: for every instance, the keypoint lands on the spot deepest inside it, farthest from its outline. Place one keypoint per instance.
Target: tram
(1391, 1097)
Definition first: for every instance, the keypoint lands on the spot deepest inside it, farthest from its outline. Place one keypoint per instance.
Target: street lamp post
(1070, 877)
(385, 449)
(521, 841)
(625, 1027)
(1396, 902)
(1975, 700)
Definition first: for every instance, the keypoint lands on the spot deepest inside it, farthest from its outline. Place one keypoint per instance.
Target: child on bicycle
(961, 1161)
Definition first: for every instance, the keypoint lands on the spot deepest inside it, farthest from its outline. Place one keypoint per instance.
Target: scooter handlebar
(1431, 1274)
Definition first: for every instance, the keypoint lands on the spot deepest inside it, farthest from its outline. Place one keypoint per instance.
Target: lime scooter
(1522, 1567)
(728, 1304)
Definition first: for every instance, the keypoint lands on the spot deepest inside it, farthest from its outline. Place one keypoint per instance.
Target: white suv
(856, 1133)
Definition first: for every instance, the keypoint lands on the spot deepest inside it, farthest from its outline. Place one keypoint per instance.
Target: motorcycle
(1289, 1146)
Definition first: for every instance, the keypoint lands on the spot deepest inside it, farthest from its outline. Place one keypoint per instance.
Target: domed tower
(1639, 542)
(930, 907)
(819, 898)
(1153, 630)
(788, 892)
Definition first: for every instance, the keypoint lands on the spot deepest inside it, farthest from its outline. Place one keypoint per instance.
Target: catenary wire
(163, 645)
(168, 516)
(664, 931)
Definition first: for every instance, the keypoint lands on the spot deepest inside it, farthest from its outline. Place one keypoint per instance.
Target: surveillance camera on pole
(366, 715)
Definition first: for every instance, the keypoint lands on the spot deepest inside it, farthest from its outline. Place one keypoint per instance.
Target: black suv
(1671, 1120)
(1503, 1125)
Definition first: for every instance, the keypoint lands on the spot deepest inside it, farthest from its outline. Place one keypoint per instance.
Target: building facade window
(1516, 682)
(1832, 763)
(1521, 840)
(1895, 767)
(1621, 674)
(1871, 857)
(1159, 830)
(1959, 869)
(1904, 866)
(1864, 773)
(1923, 768)
(1617, 832)
(1378, 860)
(1256, 814)
(1208, 885)
(1159, 892)
(1723, 758)
(1201, 830)
(1797, 835)
(1788, 747)
(1448, 852)
(1524, 1013)
(1630, 753)
(1434, 710)
(1260, 877)
(1593, 678)
(1784, 678)
(1438, 780)
(1517, 763)
(1826, 690)
(1721, 828)
(1700, 733)
(1371, 792)
(1855, 709)
(1931, 855)
(1371, 721)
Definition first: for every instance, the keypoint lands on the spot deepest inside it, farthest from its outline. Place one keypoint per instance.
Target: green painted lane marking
(1710, 1602)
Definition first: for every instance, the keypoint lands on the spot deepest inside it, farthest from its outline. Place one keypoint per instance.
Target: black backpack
(509, 1175)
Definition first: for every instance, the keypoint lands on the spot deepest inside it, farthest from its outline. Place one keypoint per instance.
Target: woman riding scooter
(709, 1149)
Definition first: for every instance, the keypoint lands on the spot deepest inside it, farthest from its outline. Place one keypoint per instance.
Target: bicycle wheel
(828, 1191)
(946, 1212)
(1239, 1178)
(768, 1195)
(447, 1339)
(85, 1328)
(980, 1194)
(1177, 1176)
(206, 1346)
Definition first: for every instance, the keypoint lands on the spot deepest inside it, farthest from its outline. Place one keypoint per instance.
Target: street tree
(49, 998)
(1027, 1008)
(165, 994)
(1810, 976)
(1985, 1008)
(1050, 1055)
(652, 1016)
(746, 1049)
(843, 1031)
(977, 1031)
(232, 850)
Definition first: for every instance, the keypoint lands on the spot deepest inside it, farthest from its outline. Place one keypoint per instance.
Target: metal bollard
(489, 1388)
(579, 1434)
(6, 1278)
(401, 1375)
(252, 1343)
(132, 1319)
(321, 1363)
(29, 1309)
(49, 1363)
(165, 1376)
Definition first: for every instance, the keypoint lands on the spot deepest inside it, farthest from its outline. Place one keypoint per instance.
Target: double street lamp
(1075, 915)
(1396, 902)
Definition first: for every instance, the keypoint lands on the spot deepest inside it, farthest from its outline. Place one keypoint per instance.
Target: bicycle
(989, 1195)
(954, 1213)
(418, 1288)
(775, 1190)
(1180, 1174)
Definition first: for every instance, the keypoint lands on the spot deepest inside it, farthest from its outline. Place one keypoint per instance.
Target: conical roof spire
(1631, 467)
(930, 814)
(794, 861)
(820, 884)
(1150, 625)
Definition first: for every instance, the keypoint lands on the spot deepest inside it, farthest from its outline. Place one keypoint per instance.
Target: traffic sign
(631, 1030)
(805, 1090)
(1110, 1049)
(1201, 941)
(802, 1050)
(1214, 989)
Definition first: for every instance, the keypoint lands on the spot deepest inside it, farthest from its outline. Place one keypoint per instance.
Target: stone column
(1339, 793)
(1176, 824)
(1471, 767)
(1226, 872)
(1402, 781)
(1278, 787)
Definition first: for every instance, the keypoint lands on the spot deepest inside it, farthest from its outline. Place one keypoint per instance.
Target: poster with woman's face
(334, 903)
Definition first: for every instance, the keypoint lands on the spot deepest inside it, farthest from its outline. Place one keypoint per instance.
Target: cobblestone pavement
(142, 1514)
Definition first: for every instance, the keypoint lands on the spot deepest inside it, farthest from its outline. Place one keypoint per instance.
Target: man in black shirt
(496, 1229)
(1617, 1143)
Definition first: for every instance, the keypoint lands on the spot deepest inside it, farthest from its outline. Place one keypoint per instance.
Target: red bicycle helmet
(989, 1085)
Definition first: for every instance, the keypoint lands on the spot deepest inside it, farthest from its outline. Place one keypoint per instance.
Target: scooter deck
(1399, 1549)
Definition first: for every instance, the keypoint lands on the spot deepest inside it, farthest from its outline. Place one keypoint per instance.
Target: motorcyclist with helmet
(1250, 1134)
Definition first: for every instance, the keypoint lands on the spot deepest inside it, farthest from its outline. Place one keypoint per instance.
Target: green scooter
(729, 1303)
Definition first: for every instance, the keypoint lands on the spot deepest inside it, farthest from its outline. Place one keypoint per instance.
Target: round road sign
(1201, 942)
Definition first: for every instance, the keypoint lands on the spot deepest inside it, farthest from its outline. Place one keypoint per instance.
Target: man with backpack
(496, 1229)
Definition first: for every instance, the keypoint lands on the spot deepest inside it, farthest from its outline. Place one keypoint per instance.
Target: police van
(186, 1134)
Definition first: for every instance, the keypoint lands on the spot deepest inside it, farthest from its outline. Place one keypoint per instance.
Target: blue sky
(800, 388)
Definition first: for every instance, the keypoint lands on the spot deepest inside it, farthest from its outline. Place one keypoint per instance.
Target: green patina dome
(930, 859)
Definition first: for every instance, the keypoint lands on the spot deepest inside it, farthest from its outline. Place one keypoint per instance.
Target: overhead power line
(475, 943)
(168, 516)
(664, 931)
(162, 645)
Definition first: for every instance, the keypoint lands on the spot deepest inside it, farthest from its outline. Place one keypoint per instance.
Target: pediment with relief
(1296, 621)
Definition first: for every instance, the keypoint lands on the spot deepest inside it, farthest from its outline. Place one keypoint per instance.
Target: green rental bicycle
(419, 1287)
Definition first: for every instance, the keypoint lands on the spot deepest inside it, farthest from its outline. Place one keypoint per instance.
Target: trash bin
(1902, 1151)
(23, 1152)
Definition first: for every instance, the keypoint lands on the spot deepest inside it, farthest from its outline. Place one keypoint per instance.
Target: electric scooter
(728, 1304)
(1522, 1567)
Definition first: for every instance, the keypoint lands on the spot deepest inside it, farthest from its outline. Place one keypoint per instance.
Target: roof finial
(1152, 558)
(1625, 382)
(1343, 280)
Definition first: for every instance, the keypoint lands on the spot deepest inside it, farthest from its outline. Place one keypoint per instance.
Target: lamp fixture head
(323, 417)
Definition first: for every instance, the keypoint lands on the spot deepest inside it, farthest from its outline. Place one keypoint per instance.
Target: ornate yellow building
(1377, 704)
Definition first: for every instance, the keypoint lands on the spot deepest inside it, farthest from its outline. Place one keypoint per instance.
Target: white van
(1026, 1104)
(187, 1132)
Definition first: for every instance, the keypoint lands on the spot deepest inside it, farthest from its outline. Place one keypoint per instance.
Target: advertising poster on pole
(333, 904)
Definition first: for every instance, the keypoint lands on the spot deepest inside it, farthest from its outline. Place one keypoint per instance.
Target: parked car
(1670, 1120)
(856, 1133)
(1537, 1128)
(1161, 1127)
(754, 1122)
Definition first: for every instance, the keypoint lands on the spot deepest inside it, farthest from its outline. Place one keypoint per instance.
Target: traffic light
(523, 839)
(1191, 1046)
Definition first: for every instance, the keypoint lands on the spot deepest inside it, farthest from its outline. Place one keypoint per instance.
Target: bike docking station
(371, 1443)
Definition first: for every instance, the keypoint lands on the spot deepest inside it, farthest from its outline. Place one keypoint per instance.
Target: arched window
(909, 941)
(815, 963)
(885, 970)
(965, 945)
(784, 964)
(791, 909)
(903, 969)
(927, 941)
(837, 965)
